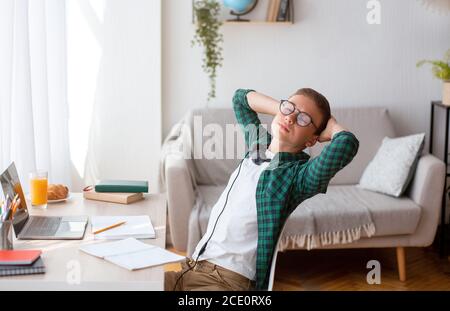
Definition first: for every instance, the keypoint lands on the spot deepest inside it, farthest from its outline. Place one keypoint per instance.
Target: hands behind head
(333, 127)
(327, 134)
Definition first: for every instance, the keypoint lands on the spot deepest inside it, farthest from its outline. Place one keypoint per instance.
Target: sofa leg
(401, 262)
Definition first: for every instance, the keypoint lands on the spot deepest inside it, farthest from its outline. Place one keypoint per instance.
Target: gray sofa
(193, 185)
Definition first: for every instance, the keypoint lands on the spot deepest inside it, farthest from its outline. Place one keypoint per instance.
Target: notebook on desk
(37, 267)
(19, 262)
(114, 197)
(132, 254)
(18, 257)
(132, 186)
(139, 227)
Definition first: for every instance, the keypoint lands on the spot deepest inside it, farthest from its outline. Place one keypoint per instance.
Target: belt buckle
(197, 266)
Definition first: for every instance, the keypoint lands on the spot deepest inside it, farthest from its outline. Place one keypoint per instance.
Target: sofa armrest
(427, 185)
(180, 199)
(426, 190)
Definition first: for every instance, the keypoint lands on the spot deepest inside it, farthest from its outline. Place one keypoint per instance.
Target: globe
(240, 7)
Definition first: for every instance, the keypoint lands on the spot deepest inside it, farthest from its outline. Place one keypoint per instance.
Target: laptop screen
(11, 186)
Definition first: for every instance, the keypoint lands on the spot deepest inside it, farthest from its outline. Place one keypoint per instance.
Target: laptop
(27, 227)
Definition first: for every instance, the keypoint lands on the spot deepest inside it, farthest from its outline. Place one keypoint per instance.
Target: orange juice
(38, 191)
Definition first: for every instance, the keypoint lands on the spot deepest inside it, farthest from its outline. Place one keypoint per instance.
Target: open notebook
(139, 227)
(132, 254)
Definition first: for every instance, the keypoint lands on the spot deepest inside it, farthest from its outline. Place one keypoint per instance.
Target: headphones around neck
(259, 157)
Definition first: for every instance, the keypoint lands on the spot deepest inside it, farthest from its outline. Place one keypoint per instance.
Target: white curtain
(33, 101)
(114, 74)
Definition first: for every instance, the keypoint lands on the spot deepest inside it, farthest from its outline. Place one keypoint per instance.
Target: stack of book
(117, 191)
(19, 262)
(279, 11)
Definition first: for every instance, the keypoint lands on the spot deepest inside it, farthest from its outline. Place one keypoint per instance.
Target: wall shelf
(256, 22)
(255, 17)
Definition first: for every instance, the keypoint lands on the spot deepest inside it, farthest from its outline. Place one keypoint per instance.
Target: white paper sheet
(139, 227)
(132, 254)
(126, 246)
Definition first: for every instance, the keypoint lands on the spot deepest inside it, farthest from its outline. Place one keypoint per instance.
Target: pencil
(109, 227)
(14, 208)
(14, 200)
(15, 197)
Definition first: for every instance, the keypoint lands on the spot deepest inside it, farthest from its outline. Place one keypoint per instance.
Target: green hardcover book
(129, 186)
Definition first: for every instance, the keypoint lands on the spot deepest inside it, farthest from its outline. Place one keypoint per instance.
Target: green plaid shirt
(288, 180)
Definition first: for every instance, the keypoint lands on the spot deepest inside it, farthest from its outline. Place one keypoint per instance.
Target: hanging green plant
(208, 36)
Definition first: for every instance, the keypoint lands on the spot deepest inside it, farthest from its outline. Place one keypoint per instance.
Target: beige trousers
(205, 276)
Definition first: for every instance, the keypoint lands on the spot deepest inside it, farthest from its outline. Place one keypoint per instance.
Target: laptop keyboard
(43, 226)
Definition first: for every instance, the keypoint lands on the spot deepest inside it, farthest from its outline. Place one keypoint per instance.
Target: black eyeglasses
(303, 119)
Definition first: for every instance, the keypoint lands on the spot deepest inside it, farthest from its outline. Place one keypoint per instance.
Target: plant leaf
(208, 36)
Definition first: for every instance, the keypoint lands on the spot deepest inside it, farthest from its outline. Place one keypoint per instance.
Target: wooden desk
(68, 268)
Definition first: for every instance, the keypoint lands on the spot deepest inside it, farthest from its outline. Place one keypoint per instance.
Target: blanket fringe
(311, 241)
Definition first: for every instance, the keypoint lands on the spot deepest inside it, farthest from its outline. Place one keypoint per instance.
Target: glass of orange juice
(38, 188)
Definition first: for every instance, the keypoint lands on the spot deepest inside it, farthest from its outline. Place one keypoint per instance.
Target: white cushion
(392, 168)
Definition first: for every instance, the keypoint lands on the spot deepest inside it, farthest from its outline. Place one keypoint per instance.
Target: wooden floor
(346, 270)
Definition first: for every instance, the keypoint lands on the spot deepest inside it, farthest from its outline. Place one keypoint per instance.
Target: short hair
(321, 103)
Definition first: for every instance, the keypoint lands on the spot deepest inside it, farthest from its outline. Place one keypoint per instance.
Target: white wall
(114, 83)
(331, 48)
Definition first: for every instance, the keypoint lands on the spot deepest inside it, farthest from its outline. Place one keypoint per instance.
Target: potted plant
(207, 35)
(441, 70)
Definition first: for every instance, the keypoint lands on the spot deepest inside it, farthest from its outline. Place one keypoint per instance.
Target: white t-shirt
(233, 244)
